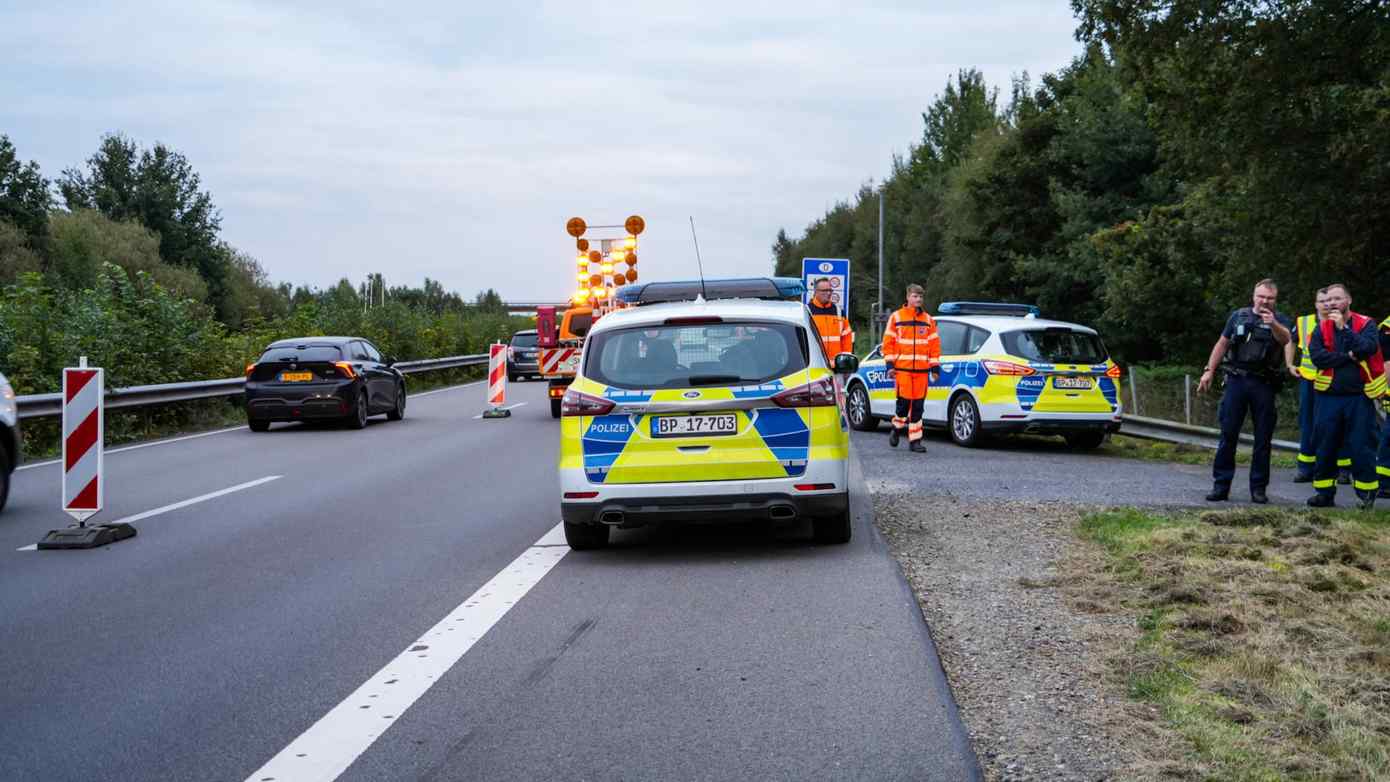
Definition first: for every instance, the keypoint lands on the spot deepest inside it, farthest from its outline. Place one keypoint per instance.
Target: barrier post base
(497, 412)
(93, 536)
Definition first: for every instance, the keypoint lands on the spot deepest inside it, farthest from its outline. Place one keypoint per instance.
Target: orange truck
(561, 345)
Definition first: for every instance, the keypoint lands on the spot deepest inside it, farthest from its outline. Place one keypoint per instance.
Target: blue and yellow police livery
(1004, 370)
(704, 411)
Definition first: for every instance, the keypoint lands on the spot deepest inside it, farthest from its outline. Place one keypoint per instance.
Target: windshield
(1055, 346)
(682, 356)
(523, 340)
(579, 324)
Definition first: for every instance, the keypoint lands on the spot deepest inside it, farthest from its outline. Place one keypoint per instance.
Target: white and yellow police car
(1004, 369)
(705, 402)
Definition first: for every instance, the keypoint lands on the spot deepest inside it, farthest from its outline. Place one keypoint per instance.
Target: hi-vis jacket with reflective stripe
(1305, 327)
(835, 333)
(911, 344)
(1348, 359)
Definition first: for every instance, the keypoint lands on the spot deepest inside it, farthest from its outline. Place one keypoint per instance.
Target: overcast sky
(453, 139)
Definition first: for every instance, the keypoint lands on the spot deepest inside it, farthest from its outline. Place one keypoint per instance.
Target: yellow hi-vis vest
(1306, 326)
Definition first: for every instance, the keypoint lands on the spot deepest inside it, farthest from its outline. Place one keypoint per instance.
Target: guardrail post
(1134, 391)
(1187, 398)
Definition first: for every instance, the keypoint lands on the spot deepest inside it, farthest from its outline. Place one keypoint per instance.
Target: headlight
(9, 411)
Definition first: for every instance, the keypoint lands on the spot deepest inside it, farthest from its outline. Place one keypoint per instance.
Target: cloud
(453, 140)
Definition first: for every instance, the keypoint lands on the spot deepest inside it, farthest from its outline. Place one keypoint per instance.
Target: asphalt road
(1046, 469)
(234, 637)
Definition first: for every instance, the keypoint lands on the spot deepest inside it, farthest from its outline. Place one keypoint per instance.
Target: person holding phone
(1351, 379)
(1250, 352)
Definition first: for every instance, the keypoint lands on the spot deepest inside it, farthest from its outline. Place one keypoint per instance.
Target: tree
(490, 301)
(16, 256)
(85, 241)
(24, 198)
(159, 188)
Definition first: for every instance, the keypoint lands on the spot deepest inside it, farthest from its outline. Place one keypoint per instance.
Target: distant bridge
(529, 307)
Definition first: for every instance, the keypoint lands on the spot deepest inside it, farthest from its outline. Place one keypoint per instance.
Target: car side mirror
(846, 364)
(390, 361)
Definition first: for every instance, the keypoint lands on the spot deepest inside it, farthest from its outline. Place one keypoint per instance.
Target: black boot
(1303, 477)
(1385, 493)
(1321, 500)
(1344, 477)
(1259, 497)
(916, 447)
(1219, 493)
(894, 437)
(1366, 500)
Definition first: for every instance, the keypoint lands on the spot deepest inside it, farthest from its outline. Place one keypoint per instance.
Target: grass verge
(1264, 640)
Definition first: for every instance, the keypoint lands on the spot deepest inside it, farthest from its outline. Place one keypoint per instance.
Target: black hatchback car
(318, 378)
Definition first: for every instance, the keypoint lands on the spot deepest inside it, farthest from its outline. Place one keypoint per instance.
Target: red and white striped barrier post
(84, 479)
(497, 382)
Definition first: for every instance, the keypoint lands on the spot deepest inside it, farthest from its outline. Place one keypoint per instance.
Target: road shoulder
(1025, 666)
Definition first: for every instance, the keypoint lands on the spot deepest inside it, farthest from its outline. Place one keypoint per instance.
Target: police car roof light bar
(775, 288)
(989, 308)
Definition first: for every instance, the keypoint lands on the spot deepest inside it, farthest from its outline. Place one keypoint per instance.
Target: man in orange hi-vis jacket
(835, 334)
(912, 349)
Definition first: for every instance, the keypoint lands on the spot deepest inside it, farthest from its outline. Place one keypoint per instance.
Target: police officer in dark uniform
(1250, 353)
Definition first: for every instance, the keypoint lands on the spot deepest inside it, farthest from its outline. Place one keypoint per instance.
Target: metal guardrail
(51, 405)
(1175, 432)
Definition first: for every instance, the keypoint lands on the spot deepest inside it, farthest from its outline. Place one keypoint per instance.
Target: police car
(705, 402)
(1004, 369)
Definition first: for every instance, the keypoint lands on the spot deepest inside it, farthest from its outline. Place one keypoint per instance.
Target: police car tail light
(577, 403)
(1007, 368)
(1114, 372)
(817, 393)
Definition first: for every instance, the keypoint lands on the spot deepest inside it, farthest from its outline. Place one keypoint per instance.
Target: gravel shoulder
(1025, 666)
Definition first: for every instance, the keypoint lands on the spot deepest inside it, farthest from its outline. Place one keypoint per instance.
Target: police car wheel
(861, 415)
(582, 537)
(1085, 441)
(965, 421)
(832, 529)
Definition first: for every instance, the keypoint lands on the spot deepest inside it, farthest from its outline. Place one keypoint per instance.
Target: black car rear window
(303, 355)
(695, 355)
(523, 340)
(1055, 346)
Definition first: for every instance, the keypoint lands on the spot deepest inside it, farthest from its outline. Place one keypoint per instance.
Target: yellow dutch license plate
(296, 377)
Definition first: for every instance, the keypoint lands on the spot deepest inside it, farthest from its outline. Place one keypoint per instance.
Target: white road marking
(137, 447)
(442, 390)
(330, 745)
(508, 407)
(177, 505)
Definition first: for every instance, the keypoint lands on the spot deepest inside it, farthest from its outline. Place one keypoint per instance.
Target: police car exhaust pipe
(611, 517)
(781, 512)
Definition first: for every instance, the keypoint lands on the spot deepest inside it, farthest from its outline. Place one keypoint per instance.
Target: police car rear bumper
(704, 509)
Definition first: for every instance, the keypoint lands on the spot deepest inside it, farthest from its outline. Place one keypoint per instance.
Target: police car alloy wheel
(860, 416)
(965, 421)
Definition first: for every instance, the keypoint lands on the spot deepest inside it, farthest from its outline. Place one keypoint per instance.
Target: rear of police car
(704, 412)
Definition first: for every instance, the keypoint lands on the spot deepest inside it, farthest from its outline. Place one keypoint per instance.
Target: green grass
(1263, 636)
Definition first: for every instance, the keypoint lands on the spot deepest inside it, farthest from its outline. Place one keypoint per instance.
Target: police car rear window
(1055, 346)
(695, 355)
(306, 354)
